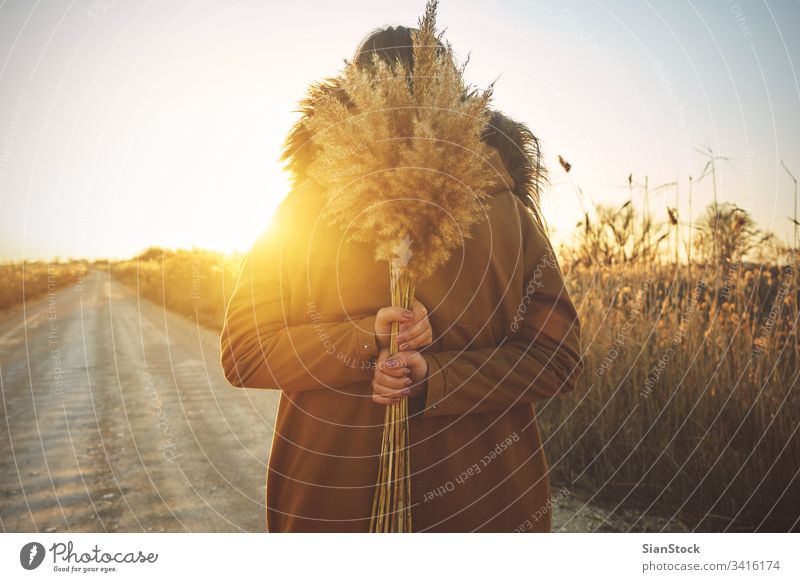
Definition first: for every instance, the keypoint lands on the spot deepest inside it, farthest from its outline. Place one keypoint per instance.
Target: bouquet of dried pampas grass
(400, 158)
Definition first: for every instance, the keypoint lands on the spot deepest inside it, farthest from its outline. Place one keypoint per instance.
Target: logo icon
(31, 555)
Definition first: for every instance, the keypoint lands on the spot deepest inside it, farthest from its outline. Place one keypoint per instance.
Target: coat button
(365, 346)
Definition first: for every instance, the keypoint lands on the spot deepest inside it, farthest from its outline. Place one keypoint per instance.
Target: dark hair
(390, 44)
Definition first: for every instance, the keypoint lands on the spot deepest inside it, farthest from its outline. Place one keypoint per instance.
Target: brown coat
(506, 334)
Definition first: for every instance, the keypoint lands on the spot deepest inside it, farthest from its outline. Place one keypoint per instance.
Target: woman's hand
(400, 376)
(415, 328)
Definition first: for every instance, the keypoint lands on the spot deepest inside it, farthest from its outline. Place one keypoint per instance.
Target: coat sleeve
(260, 347)
(540, 358)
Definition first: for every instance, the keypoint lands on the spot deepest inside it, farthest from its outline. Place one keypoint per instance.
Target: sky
(128, 124)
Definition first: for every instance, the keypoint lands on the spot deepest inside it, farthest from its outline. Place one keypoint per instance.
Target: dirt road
(116, 417)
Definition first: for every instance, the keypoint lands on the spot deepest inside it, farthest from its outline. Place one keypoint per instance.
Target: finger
(398, 372)
(398, 360)
(395, 396)
(414, 326)
(390, 382)
(414, 337)
(394, 313)
(386, 392)
(391, 365)
(419, 315)
(385, 401)
(411, 358)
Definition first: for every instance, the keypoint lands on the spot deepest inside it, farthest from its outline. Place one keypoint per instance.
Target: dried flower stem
(391, 506)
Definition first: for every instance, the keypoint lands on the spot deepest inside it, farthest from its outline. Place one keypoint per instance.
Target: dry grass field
(689, 402)
(24, 281)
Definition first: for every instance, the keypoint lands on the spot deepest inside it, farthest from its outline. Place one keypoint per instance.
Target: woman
(491, 333)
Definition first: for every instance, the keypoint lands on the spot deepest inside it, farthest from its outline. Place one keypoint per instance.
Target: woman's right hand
(415, 329)
(403, 375)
